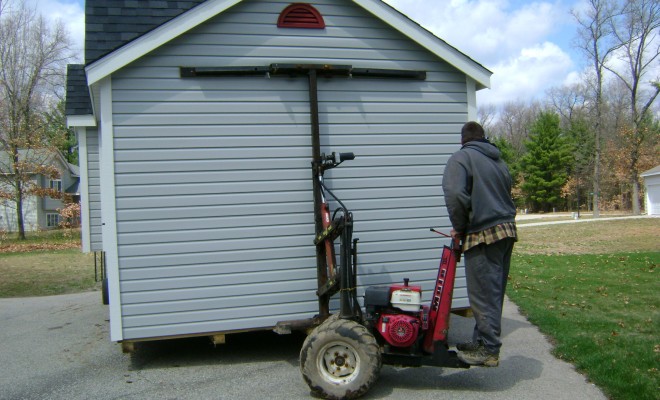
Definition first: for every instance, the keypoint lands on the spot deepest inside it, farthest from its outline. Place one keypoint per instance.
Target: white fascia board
(651, 172)
(426, 39)
(85, 227)
(109, 209)
(80, 121)
(148, 42)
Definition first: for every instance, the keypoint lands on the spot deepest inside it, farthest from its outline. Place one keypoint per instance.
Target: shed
(652, 184)
(198, 188)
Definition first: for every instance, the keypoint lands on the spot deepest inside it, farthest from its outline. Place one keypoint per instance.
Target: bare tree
(594, 39)
(569, 102)
(514, 123)
(636, 36)
(33, 57)
(487, 114)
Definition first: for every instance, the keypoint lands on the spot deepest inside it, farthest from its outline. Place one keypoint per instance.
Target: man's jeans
(487, 270)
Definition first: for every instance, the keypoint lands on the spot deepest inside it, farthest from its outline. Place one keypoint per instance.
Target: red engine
(399, 330)
(395, 312)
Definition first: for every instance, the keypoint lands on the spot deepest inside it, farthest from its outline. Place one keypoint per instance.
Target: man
(477, 189)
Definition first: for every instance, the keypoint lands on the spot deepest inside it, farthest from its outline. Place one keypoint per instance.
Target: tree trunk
(19, 210)
(596, 202)
(635, 194)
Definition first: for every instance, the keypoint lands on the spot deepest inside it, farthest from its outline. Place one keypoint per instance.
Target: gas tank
(406, 297)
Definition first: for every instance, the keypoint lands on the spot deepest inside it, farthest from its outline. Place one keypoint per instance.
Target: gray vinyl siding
(94, 189)
(213, 189)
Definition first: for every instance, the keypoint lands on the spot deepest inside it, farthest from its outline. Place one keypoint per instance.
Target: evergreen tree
(547, 163)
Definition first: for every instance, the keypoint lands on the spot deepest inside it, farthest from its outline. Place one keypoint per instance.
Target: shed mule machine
(341, 358)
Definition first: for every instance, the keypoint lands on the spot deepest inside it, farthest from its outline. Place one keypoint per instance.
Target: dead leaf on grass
(27, 247)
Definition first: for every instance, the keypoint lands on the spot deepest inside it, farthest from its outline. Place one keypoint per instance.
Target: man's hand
(456, 238)
(456, 235)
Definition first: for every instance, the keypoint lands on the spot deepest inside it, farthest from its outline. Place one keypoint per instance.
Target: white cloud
(485, 29)
(528, 74)
(511, 38)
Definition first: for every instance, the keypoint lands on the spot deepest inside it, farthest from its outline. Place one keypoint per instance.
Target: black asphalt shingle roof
(110, 24)
(77, 94)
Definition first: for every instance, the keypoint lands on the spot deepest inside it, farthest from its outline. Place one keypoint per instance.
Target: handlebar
(338, 158)
(346, 156)
(455, 243)
(332, 160)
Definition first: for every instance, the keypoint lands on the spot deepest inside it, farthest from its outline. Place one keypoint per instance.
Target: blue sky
(526, 44)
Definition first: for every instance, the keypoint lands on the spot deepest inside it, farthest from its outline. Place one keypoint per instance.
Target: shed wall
(94, 189)
(213, 188)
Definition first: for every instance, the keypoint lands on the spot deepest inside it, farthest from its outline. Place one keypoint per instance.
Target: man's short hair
(472, 131)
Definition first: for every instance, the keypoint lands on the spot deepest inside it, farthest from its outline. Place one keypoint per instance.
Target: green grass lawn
(600, 310)
(46, 263)
(46, 272)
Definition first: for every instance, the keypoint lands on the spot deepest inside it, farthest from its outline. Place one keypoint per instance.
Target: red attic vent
(300, 15)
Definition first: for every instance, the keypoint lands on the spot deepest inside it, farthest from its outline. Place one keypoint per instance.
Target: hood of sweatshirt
(484, 147)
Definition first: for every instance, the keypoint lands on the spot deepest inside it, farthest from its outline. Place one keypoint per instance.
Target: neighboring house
(197, 184)
(39, 212)
(652, 183)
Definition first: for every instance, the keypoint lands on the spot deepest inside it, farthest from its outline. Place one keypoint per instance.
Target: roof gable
(41, 157)
(174, 27)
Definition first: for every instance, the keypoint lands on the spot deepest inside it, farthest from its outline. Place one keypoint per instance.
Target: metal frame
(312, 72)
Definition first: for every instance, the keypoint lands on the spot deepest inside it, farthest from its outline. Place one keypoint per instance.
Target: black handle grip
(346, 156)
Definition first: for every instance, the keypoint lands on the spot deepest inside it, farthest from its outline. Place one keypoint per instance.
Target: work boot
(469, 346)
(480, 356)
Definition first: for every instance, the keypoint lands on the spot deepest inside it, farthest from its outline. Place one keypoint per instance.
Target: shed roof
(110, 24)
(77, 94)
(119, 32)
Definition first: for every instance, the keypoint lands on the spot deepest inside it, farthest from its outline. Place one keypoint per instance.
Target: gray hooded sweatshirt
(477, 188)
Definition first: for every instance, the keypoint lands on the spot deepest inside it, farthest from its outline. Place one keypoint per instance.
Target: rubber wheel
(105, 297)
(340, 359)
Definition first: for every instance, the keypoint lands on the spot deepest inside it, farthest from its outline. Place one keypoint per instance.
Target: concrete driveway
(58, 348)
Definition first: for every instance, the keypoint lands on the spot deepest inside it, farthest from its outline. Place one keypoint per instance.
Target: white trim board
(80, 120)
(109, 209)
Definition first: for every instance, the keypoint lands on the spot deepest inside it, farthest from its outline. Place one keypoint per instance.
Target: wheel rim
(339, 362)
